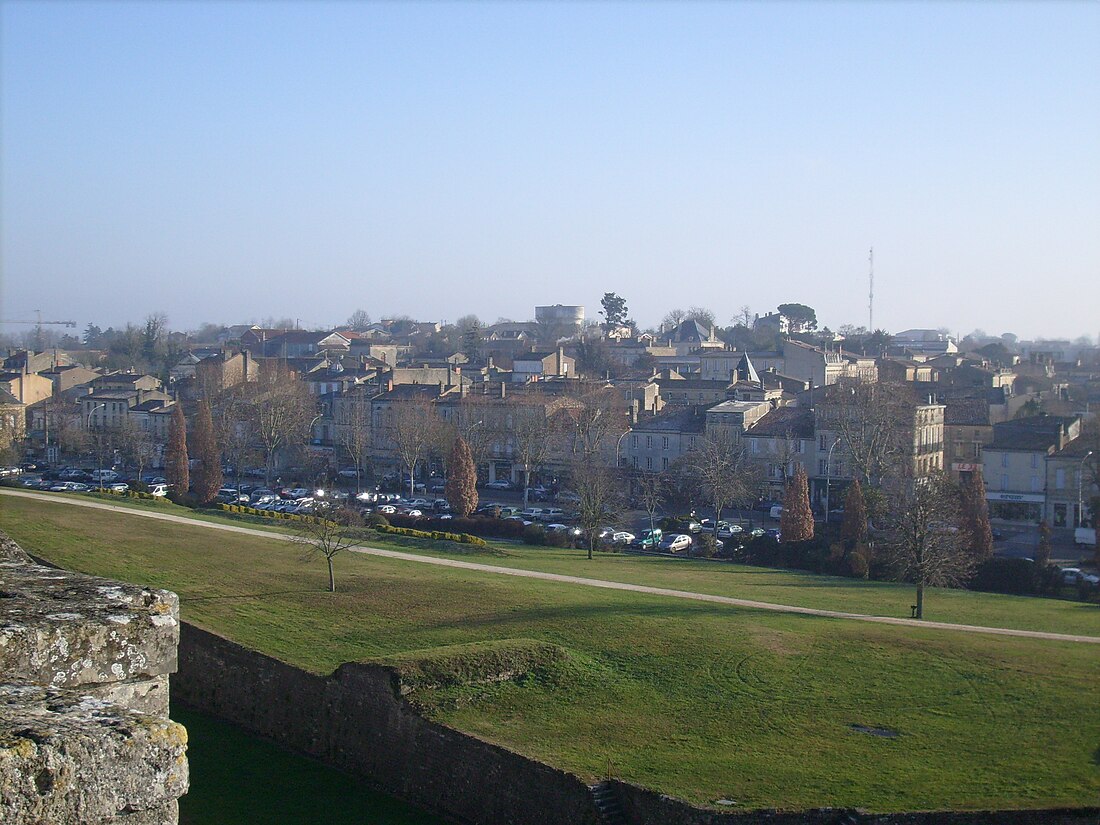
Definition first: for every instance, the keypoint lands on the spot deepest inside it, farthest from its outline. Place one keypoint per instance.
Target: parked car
(566, 497)
(499, 484)
(538, 493)
(420, 503)
(508, 512)
(385, 509)
(119, 487)
(772, 533)
(552, 514)
(347, 472)
(532, 513)
(776, 512)
(649, 539)
(572, 532)
(621, 537)
(437, 485)
(675, 542)
(727, 530)
(159, 490)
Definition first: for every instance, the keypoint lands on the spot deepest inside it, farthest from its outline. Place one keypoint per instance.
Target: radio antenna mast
(871, 293)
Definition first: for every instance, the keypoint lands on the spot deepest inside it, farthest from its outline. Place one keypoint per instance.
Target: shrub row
(271, 514)
(474, 525)
(435, 535)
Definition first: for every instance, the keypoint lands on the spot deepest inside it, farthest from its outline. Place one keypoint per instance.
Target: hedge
(434, 535)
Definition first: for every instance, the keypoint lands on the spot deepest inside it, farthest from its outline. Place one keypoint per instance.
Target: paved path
(557, 577)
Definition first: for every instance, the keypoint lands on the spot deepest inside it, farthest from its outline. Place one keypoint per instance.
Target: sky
(230, 162)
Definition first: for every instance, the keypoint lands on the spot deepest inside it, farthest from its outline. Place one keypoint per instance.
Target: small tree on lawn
(797, 521)
(327, 535)
(922, 536)
(979, 533)
(600, 495)
(461, 490)
(175, 454)
(208, 474)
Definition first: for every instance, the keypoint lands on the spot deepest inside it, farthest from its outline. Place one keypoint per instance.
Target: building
(1015, 466)
(655, 443)
(967, 429)
(568, 319)
(779, 442)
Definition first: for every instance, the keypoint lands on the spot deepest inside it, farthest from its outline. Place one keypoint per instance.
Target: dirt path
(557, 577)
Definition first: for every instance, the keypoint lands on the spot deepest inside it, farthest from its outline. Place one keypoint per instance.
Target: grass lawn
(241, 779)
(701, 701)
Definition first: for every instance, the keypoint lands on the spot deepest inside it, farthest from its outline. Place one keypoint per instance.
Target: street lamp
(1080, 485)
(617, 445)
(829, 475)
(98, 452)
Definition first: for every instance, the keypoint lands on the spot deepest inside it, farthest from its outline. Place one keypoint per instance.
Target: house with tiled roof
(967, 429)
(1014, 464)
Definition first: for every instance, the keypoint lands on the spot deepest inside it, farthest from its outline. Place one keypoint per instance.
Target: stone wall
(645, 807)
(356, 720)
(84, 730)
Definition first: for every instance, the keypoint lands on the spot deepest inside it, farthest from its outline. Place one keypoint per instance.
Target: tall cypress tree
(975, 510)
(175, 454)
(797, 521)
(854, 526)
(208, 475)
(461, 487)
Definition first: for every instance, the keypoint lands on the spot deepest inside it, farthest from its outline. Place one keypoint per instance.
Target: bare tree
(921, 535)
(652, 489)
(327, 535)
(872, 421)
(280, 409)
(478, 422)
(413, 428)
(533, 437)
(138, 445)
(673, 318)
(722, 472)
(234, 427)
(353, 430)
(599, 491)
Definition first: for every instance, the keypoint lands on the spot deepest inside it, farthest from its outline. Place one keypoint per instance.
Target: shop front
(1018, 507)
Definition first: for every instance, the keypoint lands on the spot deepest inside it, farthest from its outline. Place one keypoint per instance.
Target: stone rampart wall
(84, 730)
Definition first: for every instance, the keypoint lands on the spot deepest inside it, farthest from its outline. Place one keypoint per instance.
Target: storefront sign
(1028, 497)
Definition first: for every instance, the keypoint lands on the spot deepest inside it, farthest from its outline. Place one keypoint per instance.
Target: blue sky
(230, 162)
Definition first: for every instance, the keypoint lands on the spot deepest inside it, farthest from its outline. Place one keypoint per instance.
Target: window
(649, 442)
(633, 441)
(634, 462)
(692, 443)
(664, 443)
(1004, 459)
(1004, 481)
(1036, 484)
(664, 463)
(755, 445)
(822, 467)
(1060, 479)
(1034, 461)
(648, 463)
(822, 443)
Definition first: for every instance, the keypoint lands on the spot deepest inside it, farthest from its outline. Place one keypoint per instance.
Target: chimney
(389, 383)
(503, 391)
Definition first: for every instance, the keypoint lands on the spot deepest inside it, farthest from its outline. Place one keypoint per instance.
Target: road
(63, 500)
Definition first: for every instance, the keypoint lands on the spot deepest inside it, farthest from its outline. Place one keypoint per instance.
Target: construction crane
(39, 324)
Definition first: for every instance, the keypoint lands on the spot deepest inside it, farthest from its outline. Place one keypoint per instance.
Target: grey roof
(688, 420)
(796, 422)
(966, 412)
(746, 371)
(691, 331)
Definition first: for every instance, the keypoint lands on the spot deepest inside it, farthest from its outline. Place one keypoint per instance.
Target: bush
(1020, 577)
(434, 535)
(376, 520)
(534, 534)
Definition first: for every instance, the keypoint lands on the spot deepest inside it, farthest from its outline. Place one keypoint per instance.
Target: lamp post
(829, 475)
(1080, 488)
(98, 452)
(617, 445)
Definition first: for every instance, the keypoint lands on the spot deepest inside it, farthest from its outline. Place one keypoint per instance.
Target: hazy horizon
(230, 162)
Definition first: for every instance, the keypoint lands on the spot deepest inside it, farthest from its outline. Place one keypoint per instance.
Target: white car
(158, 490)
(675, 543)
(387, 509)
(622, 537)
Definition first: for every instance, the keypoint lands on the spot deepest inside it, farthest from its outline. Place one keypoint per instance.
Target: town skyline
(305, 160)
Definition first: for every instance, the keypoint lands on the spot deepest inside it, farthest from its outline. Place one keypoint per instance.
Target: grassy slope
(692, 699)
(741, 581)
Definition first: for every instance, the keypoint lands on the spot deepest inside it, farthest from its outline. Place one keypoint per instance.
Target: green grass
(696, 700)
(238, 778)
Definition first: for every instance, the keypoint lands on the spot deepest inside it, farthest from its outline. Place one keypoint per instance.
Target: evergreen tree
(978, 532)
(854, 526)
(1042, 552)
(797, 521)
(461, 490)
(614, 311)
(208, 475)
(175, 454)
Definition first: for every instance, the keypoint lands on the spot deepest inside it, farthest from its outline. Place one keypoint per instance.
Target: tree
(975, 518)
(673, 318)
(600, 497)
(721, 471)
(208, 474)
(1042, 551)
(175, 455)
(921, 536)
(471, 340)
(280, 409)
(651, 487)
(701, 314)
(235, 427)
(412, 427)
(327, 535)
(358, 320)
(353, 429)
(137, 445)
(533, 436)
(743, 317)
(853, 530)
(799, 315)
(871, 421)
(614, 311)
(461, 490)
(797, 521)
